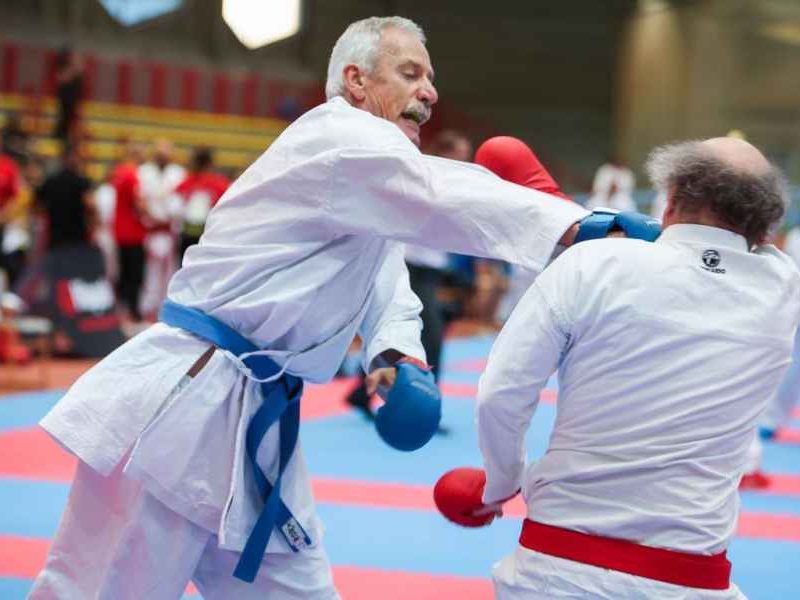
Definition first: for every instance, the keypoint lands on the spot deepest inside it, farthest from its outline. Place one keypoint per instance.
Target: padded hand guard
(458, 493)
(603, 221)
(514, 161)
(412, 411)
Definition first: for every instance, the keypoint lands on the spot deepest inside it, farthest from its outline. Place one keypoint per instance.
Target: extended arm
(447, 205)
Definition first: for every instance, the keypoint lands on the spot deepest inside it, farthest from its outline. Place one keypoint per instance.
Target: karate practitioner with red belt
(667, 354)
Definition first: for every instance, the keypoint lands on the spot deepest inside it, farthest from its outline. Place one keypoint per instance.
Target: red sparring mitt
(458, 493)
(514, 161)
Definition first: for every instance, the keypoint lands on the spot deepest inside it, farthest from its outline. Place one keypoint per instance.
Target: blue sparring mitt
(413, 408)
(603, 221)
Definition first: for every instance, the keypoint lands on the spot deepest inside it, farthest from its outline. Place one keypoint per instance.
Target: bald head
(721, 182)
(737, 154)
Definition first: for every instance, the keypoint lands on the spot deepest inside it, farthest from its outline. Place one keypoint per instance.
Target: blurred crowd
(142, 217)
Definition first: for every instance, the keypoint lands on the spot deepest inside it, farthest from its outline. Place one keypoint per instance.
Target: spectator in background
(10, 189)
(17, 216)
(129, 230)
(200, 191)
(9, 179)
(159, 179)
(69, 79)
(66, 200)
(105, 200)
(613, 187)
(490, 283)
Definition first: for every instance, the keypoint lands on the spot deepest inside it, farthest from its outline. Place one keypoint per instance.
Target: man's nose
(428, 94)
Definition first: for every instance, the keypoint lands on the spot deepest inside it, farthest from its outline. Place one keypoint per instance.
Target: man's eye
(410, 76)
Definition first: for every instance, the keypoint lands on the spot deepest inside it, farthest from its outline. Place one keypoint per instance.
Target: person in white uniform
(158, 180)
(613, 187)
(666, 355)
(302, 252)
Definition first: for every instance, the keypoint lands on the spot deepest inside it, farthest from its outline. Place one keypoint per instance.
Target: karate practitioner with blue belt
(189, 468)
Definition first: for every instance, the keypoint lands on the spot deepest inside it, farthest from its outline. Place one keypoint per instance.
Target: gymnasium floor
(383, 535)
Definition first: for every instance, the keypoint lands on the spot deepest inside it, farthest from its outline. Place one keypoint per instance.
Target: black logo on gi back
(711, 260)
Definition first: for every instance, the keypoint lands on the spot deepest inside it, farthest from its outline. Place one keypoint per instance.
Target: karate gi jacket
(666, 354)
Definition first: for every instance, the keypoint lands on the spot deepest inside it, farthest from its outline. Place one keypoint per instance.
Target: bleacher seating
(236, 140)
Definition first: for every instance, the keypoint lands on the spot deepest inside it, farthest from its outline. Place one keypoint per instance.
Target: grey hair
(752, 204)
(359, 45)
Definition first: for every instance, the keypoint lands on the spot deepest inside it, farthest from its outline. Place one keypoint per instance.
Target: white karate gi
(665, 363)
(157, 187)
(613, 187)
(299, 255)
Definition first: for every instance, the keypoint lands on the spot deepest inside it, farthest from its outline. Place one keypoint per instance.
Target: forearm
(391, 327)
(502, 446)
(524, 356)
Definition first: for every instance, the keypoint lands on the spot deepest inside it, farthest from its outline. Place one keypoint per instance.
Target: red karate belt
(679, 568)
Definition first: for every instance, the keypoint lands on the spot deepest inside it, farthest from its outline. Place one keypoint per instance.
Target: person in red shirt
(9, 180)
(200, 191)
(10, 188)
(129, 231)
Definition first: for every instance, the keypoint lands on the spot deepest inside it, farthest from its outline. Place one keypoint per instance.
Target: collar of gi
(703, 234)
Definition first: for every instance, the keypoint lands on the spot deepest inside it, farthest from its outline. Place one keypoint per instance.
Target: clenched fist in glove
(413, 408)
(459, 497)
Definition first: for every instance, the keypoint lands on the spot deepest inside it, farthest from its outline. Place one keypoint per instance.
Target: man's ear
(354, 82)
(671, 212)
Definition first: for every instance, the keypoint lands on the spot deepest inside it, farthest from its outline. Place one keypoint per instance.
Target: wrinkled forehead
(398, 46)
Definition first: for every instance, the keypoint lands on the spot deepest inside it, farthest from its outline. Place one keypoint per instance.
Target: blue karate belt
(281, 402)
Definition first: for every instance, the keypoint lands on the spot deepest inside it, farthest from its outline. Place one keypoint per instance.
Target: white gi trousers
(118, 542)
(532, 575)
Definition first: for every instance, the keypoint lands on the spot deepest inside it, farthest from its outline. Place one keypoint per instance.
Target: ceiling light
(257, 23)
